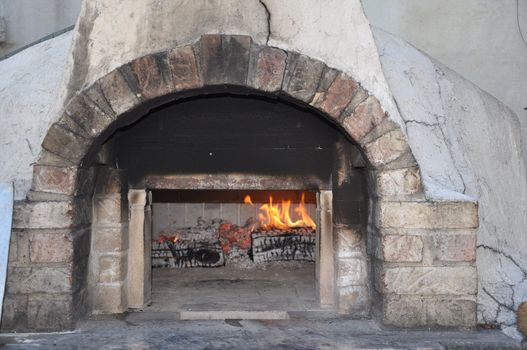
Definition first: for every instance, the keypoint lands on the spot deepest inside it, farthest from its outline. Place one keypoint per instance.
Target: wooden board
(288, 246)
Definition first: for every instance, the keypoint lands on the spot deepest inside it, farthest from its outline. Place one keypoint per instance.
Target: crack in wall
(497, 251)
(268, 14)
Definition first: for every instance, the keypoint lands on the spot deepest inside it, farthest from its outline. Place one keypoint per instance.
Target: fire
(277, 216)
(247, 200)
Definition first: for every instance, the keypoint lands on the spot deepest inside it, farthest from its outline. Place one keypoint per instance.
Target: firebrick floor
(157, 331)
(209, 293)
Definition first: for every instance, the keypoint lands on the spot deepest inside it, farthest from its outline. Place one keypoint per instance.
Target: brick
(66, 144)
(88, 115)
(419, 280)
(14, 314)
(448, 247)
(224, 59)
(402, 248)
(50, 247)
(43, 215)
(108, 210)
(301, 78)
(13, 248)
(184, 68)
(148, 76)
(387, 148)
(354, 300)
(26, 280)
(54, 179)
(348, 241)
(96, 95)
(112, 268)
(118, 93)
(398, 182)
(451, 313)
(351, 271)
(364, 118)
(110, 239)
(109, 299)
(267, 69)
(427, 215)
(334, 100)
(50, 313)
(403, 311)
(108, 181)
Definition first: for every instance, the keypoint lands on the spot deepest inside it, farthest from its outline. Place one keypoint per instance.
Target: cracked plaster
(465, 141)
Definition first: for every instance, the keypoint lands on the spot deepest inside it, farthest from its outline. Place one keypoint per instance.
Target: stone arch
(398, 207)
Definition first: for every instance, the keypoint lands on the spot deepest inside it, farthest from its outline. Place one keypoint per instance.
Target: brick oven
(159, 178)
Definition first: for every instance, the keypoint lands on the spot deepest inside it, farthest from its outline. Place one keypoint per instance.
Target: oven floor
(208, 290)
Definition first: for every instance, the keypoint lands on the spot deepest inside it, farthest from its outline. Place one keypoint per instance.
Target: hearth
(220, 228)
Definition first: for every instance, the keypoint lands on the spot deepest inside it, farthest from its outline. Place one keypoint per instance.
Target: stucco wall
(481, 39)
(29, 20)
(470, 143)
(29, 86)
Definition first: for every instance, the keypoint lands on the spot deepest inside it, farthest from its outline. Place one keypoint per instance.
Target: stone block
(349, 241)
(148, 76)
(88, 115)
(354, 300)
(451, 313)
(95, 94)
(404, 311)
(397, 248)
(110, 239)
(266, 70)
(22, 247)
(13, 248)
(399, 182)
(364, 118)
(427, 215)
(14, 314)
(108, 181)
(118, 93)
(418, 280)
(48, 158)
(338, 95)
(224, 59)
(184, 68)
(351, 271)
(50, 247)
(109, 298)
(43, 215)
(387, 148)
(107, 209)
(451, 247)
(112, 268)
(66, 144)
(54, 179)
(26, 280)
(50, 312)
(301, 78)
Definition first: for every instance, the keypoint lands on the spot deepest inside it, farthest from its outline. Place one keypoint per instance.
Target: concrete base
(132, 332)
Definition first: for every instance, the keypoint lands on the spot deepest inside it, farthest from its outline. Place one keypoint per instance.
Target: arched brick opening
(404, 272)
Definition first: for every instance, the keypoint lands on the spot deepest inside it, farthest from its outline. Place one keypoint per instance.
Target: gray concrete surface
(148, 331)
(277, 288)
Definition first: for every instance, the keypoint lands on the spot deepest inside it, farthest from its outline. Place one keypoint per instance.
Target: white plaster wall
(466, 141)
(481, 39)
(29, 20)
(29, 84)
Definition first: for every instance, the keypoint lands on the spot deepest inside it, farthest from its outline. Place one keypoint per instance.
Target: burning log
(196, 254)
(283, 246)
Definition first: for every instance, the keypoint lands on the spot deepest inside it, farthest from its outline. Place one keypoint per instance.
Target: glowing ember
(278, 216)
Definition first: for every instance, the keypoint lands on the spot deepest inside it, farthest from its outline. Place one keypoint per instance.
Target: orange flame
(277, 216)
(247, 200)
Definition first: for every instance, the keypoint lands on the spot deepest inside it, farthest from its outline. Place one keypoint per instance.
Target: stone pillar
(138, 259)
(109, 244)
(326, 260)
